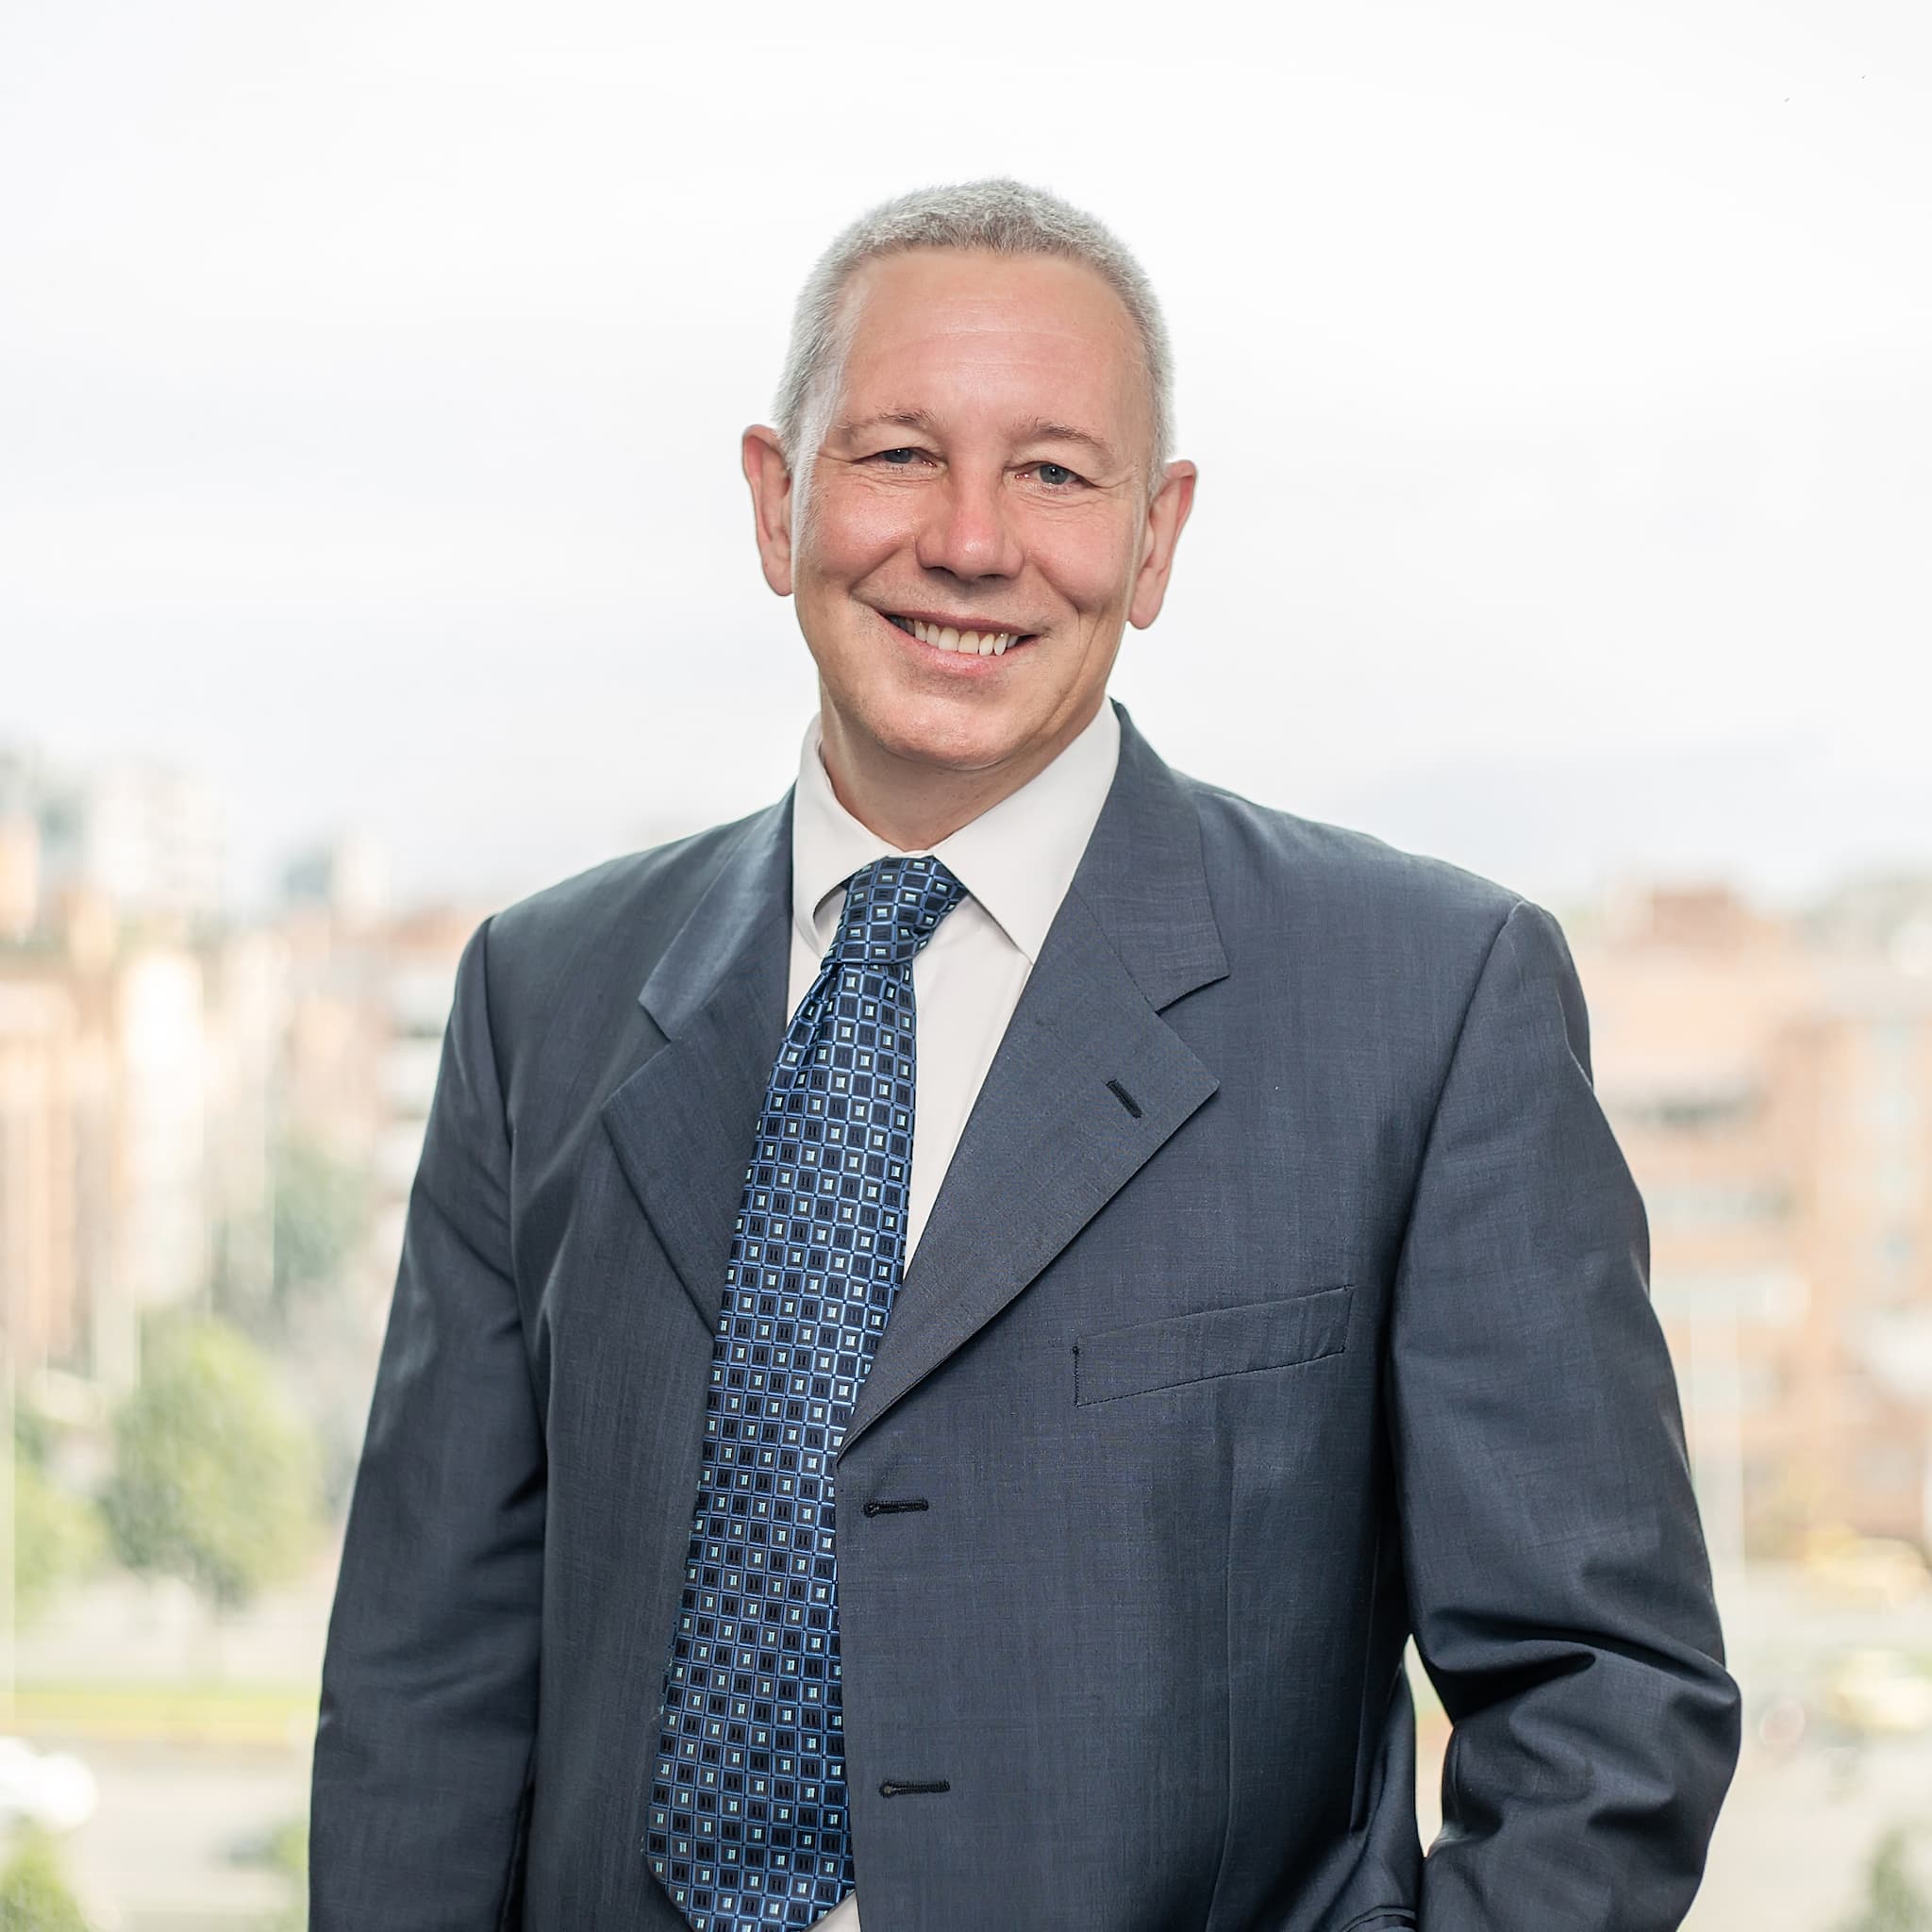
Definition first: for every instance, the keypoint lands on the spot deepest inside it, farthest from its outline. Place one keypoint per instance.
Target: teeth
(990, 643)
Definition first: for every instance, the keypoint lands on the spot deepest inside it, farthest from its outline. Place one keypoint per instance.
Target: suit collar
(1143, 880)
(1050, 1138)
(730, 928)
(1140, 878)
(1016, 858)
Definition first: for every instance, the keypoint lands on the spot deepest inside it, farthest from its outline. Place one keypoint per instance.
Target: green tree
(1894, 1902)
(269, 1277)
(57, 1539)
(33, 1436)
(289, 1854)
(33, 1895)
(285, 1852)
(214, 1480)
(320, 1218)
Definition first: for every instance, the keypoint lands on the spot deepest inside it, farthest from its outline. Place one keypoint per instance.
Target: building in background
(346, 878)
(1770, 1083)
(157, 1061)
(363, 1039)
(145, 837)
(38, 1270)
(1871, 1135)
(20, 849)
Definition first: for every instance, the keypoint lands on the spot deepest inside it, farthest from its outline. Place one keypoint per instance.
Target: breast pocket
(1179, 1349)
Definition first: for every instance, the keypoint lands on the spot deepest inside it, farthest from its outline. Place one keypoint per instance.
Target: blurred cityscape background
(208, 1128)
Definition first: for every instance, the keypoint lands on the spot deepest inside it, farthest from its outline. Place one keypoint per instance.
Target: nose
(967, 532)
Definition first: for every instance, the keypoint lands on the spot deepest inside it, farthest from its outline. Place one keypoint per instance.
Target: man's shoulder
(618, 915)
(645, 881)
(1280, 863)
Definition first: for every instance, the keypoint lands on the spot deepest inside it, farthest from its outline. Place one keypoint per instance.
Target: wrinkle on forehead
(922, 305)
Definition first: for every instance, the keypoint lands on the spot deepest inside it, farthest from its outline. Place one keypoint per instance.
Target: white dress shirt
(1016, 861)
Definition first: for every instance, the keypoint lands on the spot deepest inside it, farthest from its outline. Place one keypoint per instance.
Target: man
(971, 1452)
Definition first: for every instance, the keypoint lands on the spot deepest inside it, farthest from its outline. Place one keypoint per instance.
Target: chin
(960, 738)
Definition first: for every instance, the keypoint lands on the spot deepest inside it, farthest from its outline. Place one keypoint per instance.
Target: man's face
(977, 464)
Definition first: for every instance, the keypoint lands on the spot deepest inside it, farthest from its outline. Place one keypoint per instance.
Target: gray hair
(1003, 216)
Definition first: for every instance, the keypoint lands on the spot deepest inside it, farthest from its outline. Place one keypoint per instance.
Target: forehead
(960, 332)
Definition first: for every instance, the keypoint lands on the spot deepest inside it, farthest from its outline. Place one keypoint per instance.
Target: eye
(1055, 475)
(898, 459)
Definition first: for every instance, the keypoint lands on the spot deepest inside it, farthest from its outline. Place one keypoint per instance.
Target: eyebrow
(1038, 429)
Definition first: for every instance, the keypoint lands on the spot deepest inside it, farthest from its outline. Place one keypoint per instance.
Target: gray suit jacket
(1285, 1294)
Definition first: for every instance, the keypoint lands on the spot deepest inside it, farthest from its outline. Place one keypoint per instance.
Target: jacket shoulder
(1342, 877)
(615, 917)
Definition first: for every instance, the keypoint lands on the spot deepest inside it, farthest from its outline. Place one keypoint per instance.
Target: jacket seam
(1401, 1262)
(1382, 1915)
(1442, 1085)
(1229, 1707)
(510, 1203)
(490, 1021)
(519, 1848)
(1363, 1771)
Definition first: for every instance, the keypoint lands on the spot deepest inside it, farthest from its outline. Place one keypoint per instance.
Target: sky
(371, 377)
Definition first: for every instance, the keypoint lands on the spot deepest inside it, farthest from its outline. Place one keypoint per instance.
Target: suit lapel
(684, 1123)
(1050, 1142)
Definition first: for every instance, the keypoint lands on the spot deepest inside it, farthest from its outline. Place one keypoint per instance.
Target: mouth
(964, 637)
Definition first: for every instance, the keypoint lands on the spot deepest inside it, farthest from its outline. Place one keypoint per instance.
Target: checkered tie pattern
(748, 1823)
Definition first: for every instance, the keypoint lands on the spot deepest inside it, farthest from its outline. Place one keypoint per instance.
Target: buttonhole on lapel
(1126, 1099)
(893, 1788)
(877, 1508)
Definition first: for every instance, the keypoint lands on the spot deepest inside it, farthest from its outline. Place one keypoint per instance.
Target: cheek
(1089, 566)
(847, 532)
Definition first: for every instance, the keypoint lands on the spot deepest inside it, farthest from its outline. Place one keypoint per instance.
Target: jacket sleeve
(1558, 1586)
(423, 1753)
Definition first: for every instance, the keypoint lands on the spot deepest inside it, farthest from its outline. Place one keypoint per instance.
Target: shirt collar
(1016, 858)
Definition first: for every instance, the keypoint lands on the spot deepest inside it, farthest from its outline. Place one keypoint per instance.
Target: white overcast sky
(371, 377)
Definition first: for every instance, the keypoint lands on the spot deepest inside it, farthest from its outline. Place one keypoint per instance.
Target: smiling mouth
(947, 637)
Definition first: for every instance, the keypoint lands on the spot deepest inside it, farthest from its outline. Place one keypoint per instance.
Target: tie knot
(893, 906)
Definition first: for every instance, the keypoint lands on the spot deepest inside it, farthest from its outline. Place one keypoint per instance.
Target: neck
(910, 804)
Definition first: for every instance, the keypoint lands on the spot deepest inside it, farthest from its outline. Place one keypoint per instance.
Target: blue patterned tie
(749, 1822)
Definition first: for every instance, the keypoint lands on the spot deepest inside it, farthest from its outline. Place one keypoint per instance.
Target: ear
(1166, 515)
(771, 503)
